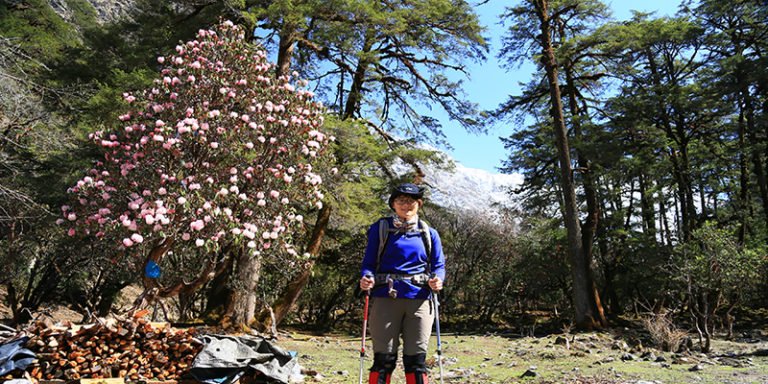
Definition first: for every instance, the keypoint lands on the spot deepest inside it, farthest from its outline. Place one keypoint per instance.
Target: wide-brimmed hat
(406, 189)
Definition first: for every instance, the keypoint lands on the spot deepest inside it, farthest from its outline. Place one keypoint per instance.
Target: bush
(664, 334)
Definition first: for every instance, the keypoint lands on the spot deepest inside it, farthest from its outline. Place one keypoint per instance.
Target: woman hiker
(403, 264)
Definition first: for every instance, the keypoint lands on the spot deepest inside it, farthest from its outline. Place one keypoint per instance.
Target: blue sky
(490, 84)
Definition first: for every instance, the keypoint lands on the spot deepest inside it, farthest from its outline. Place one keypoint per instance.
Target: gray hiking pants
(391, 318)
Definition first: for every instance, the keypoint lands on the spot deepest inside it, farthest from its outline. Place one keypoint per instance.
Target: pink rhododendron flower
(197, 225)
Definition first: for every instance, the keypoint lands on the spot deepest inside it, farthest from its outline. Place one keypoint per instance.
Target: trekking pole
(436, 304)
(365, 326)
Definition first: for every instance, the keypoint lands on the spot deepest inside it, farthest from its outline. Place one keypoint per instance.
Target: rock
(529, 373)
(561, 341)
(695, 368)
(627, 357)
(665, 365)
(648, 356)
(620, 345)
(660, 359)
(635, 343)
(342, 373)
(461, 372)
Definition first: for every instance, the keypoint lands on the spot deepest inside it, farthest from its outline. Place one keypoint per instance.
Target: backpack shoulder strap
(383, 235)
(426, 236)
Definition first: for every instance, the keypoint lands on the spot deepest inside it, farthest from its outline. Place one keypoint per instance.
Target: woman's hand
(436, 283)
(366, 283)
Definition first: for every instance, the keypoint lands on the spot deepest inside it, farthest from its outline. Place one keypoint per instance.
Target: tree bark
(242, 308)
(285, 49)
(743, 200)
(355, 95)
(291, 293)
(592, 220)
(584, 294)
(646, 206)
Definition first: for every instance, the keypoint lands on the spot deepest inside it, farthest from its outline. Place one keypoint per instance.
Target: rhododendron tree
(217, 158)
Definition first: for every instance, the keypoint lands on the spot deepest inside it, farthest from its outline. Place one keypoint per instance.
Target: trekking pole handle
(432, 276)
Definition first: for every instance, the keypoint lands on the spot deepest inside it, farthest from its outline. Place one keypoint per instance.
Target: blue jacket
(404, 254)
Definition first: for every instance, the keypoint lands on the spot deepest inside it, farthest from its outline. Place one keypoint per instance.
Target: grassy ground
(588, 358)
(502, 358)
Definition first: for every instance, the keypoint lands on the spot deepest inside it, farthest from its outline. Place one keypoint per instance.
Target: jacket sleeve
(437, 258)
(371, 250)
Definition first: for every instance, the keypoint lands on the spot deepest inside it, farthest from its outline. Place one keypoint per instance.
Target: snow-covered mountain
(470, 188)
(467, 189)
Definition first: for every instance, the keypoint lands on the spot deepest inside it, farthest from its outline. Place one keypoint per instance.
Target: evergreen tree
(538, 26)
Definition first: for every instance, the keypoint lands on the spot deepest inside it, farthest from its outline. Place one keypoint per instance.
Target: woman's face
(406, 207)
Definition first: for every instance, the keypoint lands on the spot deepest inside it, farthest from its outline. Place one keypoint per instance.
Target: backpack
(384, 231)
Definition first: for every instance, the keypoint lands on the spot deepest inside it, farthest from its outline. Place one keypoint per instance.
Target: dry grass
(664, 333)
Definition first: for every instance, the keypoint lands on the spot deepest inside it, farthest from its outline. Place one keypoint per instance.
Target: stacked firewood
(131, 348)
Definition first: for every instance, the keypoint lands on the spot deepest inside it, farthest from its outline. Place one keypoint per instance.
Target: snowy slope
(470, 189)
